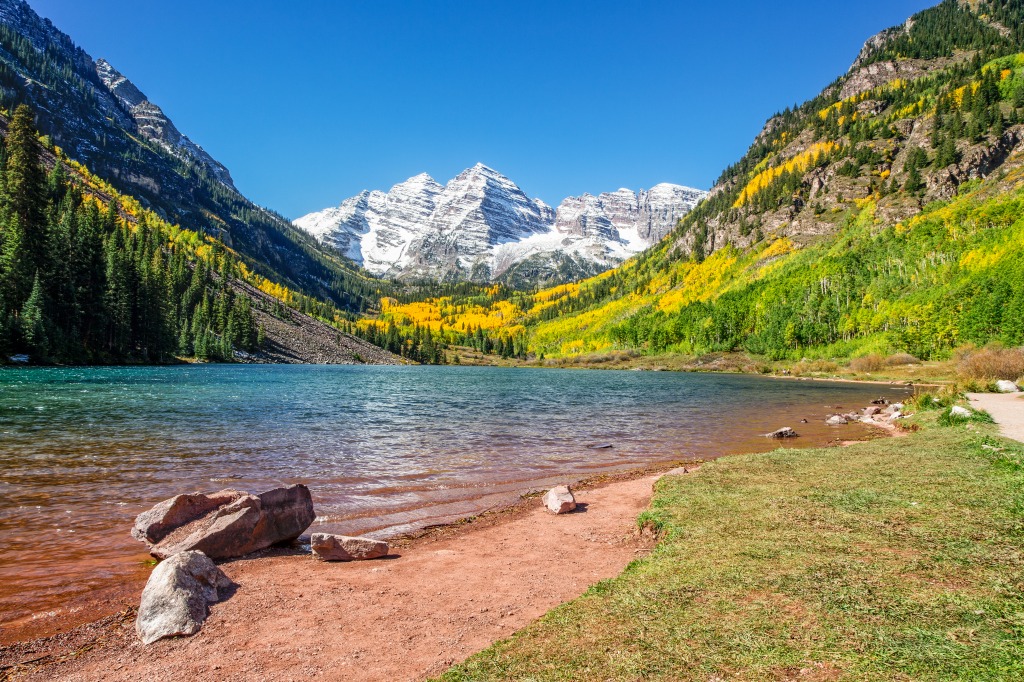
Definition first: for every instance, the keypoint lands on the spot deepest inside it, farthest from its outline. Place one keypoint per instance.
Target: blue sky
(309, 102)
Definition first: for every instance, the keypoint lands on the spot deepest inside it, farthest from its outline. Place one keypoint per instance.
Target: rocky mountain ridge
(104, 121)
(481, 226)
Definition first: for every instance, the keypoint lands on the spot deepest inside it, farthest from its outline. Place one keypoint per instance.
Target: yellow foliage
(799, 163)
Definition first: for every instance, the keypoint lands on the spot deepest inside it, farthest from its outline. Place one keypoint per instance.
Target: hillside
(88, 275)
(102, 120)
(882, 215)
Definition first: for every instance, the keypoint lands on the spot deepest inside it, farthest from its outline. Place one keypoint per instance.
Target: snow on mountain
(481, 224)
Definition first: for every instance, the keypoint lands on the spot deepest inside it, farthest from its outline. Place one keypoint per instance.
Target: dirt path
(1006, 408)
(403, 618)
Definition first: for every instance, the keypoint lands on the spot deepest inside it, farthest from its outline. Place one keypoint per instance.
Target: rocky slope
(101, 119)
(481, 226)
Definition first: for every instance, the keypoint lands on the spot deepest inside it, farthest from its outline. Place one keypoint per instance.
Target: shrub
(899, 359)
(867, 363)
(814, 366)
(991, 363)
(947, 418)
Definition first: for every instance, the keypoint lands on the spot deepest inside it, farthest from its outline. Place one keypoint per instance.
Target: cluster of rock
(189, 531)
(881, 411)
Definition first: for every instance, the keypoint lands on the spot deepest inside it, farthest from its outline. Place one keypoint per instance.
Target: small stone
(346, 548)
(1006, 387)
(957, 411)
(177, 596)
(784, 432)
(560, 500)
(837, 420)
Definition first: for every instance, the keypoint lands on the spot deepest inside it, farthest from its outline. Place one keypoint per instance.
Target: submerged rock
(225, 524)
(177, 596)
(344, 548)
(559, 500)
(784, 432)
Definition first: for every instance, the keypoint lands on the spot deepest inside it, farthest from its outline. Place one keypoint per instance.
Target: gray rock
(177, 596)
(344, 548)
(226, 524)
(837, 420)
(559, 500)
(871, 411)
(957, 411)
(784, 432)
(1006, 387)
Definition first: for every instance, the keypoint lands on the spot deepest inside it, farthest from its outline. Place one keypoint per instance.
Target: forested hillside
(88, 275)
(883, 215)
(102, 120)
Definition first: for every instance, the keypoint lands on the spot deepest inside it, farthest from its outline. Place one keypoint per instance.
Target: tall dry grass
(991, 363)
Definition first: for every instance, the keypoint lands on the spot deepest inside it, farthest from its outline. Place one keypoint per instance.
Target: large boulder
(177, 596)
(837, 420)
(226, 524)
(559, 500)
(1006, 386)
(344, 548)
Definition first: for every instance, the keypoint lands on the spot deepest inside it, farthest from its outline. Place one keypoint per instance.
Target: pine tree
(33, 327)
(25, 186)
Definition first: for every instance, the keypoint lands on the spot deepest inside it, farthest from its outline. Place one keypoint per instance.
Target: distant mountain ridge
(481, 226)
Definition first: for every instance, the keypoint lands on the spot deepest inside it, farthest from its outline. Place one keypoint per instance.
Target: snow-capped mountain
(481, 226)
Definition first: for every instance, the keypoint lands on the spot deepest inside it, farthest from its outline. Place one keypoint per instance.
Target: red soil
(433, 602)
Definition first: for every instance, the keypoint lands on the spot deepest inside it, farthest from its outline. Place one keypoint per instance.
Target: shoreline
(97, 627)
(56, 616)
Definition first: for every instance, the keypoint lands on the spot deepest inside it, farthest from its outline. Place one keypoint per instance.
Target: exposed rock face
(225, 524)
(559, 500)
(344, 548)
(481, 225)
(154, 125)
(177, 596)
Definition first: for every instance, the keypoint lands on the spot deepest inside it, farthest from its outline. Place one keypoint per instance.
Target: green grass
(898, 559)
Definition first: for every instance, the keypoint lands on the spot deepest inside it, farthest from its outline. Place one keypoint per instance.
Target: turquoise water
(383, 449)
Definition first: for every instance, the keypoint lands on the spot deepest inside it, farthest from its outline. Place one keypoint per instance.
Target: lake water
(383, 449)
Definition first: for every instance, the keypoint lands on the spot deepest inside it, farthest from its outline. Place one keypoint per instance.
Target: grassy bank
(893, 559)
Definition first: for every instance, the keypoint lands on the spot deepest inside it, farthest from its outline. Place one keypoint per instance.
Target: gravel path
(1006, 408)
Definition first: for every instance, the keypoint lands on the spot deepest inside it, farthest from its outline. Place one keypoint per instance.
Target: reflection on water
(384, 449)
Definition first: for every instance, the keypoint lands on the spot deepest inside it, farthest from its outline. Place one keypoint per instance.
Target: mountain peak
(481, 224)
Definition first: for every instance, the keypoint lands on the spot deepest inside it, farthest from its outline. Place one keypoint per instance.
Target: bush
(934, 401)
(899, 359)
(947, 418)
(867, 363)
(814, 367)
(991, 363)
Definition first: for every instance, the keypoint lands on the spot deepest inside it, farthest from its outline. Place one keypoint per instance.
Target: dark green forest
(79, 283)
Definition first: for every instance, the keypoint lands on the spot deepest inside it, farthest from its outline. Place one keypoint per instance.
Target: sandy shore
(407, 617)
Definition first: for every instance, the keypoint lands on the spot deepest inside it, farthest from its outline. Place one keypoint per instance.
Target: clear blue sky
(309, 102)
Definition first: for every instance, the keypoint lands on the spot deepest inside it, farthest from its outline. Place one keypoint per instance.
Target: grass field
(896, 559)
